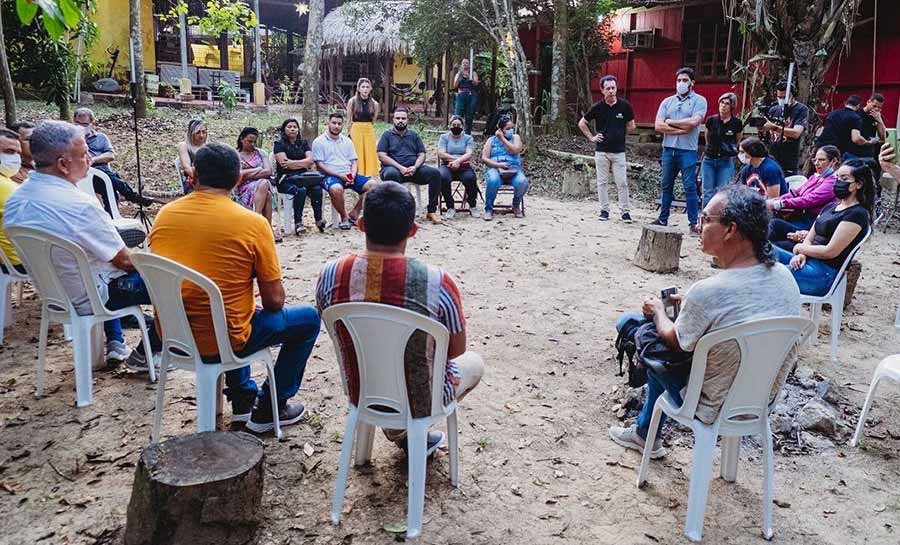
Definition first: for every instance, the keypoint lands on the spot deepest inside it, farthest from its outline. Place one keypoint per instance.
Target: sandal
(278, 236)
(321, 225)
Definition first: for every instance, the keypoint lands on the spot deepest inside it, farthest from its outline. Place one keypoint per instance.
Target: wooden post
(854, 270)
(386, 103)
(659, 249)
(448, 78)
(202, 489)
(493, 102)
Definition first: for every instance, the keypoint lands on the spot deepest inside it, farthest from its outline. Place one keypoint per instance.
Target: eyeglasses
(707, 218)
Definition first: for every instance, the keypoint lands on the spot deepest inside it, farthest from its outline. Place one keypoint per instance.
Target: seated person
(254, 189)
(383, 274)
(336, 159)
(196, 137)
(455, 154)
(733, 231)
(838, 229)
(102, 154)
(50, 200)
(232, 246)
(293, 157)
(402, 156)
(798, 208)
(24, 130)
(760, 171)
(502, 155)
(10, 163)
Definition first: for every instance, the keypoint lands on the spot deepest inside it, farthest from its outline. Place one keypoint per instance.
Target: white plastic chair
(794, 182)
(764, 344)
(87, 186)
(835, 298)
(380, 333)
(164, 279)
(7, 280)
(287, 211)
(888, 368)
(420, 206)
(34, 248)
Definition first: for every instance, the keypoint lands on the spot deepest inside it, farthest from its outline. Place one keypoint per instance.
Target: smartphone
(666, 297)
(892, 140)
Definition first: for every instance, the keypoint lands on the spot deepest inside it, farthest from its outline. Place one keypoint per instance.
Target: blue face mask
(509, 134)
(827, 172)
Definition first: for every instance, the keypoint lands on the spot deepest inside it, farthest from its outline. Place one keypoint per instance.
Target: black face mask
(400, 127)
(841, 189)
(456, 130)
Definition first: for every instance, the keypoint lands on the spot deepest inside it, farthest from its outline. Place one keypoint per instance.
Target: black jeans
(300, 187)
(467, 177)
(425, 175)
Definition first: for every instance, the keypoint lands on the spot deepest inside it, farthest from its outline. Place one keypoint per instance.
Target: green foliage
(434, 26)
(57, 16)
(228, 95)
(504, 75)
(231, 17)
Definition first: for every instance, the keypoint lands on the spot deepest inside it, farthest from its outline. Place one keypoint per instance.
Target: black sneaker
(626, 217)
(241, 407)
(604, 215)
(261, 420)
(435, 440)
(658, 222)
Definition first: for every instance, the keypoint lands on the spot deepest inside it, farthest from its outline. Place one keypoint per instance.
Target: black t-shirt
(787, 150)
(869, 130)
(718, 133)
(403, 148)
(294, 152)
(612, 122)
(838, 128)
(828, 221)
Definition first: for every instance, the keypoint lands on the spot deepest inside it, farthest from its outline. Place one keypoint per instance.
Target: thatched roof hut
(369, 28)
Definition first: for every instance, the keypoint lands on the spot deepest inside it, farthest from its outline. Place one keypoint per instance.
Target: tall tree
(557, 116)
(6, 82)
(311, 57)
(134, 13)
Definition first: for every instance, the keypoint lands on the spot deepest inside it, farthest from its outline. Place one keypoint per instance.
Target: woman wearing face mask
(797, 210)
(502, 154)
(760, 171)
(723, 131)
(293, 158)
(363, 113)
(838, 229)
(10, 162)
(197, 134)
(455, 155)
(253, 190)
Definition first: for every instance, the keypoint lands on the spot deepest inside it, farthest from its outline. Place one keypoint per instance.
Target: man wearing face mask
(678, 119)
(784, 127)
(402, 155)
(24, 130)
(10, 162)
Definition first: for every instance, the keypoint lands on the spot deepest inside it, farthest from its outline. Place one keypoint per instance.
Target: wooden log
(659, 249)
(576, 182)
(202, 489)
(585, 159)
(854, 270)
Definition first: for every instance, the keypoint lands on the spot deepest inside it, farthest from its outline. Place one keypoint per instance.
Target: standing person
(502, 155)
(613, 119)
(465, 82)
(363, 111)
(24, 130)
(678, 119)
(843, 128)
(784, 127)
(760, 171)
(723, 132)
(873, 128)
(455, 155)
(196, 138)
(254, 190)
(402, 155)
(336, 159)
(293, 158)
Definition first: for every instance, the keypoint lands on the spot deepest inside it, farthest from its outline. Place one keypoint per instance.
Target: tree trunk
(6, 82)
(659, 249)
(311, 57)
(556, 120)
(515, 55)
(134, 13)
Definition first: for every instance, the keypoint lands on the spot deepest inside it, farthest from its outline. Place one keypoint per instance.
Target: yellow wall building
(111, 19)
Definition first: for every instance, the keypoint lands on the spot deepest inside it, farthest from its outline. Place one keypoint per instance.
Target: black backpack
(625, 346)
(654, 354)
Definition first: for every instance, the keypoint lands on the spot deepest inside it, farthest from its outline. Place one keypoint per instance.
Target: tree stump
(577, 182)
(202, 489)
(854, 270)
(659, 249)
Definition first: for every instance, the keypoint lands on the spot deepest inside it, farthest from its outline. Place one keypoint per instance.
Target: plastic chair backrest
(840, 274)
(763, 345)
(10, 269)
(164, 279)
(86, 185)
(795, 181)
(35, 249)
(379, 334)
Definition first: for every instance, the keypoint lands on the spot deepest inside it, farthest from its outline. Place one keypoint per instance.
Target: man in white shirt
(49, 200)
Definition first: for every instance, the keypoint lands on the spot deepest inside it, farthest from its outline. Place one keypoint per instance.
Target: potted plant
(166, 90)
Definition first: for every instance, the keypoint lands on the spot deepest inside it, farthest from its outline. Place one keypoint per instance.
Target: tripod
(141, 214)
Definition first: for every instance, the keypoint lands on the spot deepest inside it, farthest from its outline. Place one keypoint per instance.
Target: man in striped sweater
(383, 274)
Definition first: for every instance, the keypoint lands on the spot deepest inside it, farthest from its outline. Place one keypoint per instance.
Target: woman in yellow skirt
(363, 111)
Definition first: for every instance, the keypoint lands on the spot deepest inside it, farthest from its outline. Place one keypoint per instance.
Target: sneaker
(604, 215)
(658, 222)
(299, 229)
(241, 408)
(475, 211)
(694, 230)
(435, 440)
(451, 213)
(434, 218)
(626, 217)
(137, 361)
(261, 420)
(320, 225)
(629, 438)
(344, 225)
(488, 215)
(116, 352)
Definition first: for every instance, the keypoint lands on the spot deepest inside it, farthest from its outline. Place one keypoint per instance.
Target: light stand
(141, 214)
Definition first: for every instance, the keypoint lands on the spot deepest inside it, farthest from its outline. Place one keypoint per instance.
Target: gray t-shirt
(455, 146)
(726, 299)
(676, 107)
(338, 155)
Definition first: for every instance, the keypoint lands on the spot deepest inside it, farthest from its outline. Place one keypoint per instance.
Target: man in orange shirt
(232, 246)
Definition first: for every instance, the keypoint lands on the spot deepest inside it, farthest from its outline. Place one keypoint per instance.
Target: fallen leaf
(782, 504)
(395, 527)
(308, 450)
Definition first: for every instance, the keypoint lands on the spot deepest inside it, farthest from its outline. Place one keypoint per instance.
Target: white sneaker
(475, 211)
(116, 352)
(450, 214)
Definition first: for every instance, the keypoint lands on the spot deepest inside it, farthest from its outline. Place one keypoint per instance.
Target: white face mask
(781, 102)
(682, 87)
(744, 158)
(10, 163)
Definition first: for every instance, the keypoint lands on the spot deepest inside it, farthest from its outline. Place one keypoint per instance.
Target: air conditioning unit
(638, 39)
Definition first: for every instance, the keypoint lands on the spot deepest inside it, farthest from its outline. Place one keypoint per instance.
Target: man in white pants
(613, 119)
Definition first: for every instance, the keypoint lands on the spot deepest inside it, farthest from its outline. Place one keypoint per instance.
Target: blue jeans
(671, 382)
(126, 291)
(465, 105)
(815, 278)
(675, 161)
(295, 328)
(493, 181)
(716, 173)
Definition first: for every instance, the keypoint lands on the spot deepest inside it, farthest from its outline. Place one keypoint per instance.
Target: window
(706, 48)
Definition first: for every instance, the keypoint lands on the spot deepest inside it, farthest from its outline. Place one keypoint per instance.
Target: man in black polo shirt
(785, 125)
(873, 128)
(613, 118)
(843, 128)
(402, 156)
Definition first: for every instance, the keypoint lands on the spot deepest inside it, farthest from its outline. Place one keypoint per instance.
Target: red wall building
(696, 34)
